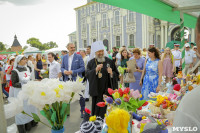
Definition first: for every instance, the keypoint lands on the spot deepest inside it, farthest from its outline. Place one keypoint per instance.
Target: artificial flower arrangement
(117, 122)
(164, 104)
(125, 99)
(91, 124)
(52, 97)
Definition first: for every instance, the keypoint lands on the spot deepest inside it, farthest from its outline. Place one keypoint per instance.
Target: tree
(25, 47)
(50, 45)
(2, 46)
(34, 42)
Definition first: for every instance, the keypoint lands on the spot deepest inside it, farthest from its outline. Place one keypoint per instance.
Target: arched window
(118, 41)
(131, 40)
(93, 23)
(130, 16)
(116, 17)
(104, 20)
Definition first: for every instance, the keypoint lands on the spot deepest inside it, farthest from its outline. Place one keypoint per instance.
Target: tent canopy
(167, 10)
(31, 49)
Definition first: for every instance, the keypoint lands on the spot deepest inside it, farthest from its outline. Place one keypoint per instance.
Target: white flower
(48, 91)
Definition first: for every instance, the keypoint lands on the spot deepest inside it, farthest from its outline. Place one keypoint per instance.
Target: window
(85, 43)
(153, 39)
(116, 17)
(130, 16)
(94, 40)
(131, 40)
(84, 24)
(92, 7)
(104, 20)
(93, 23)
(118, 41)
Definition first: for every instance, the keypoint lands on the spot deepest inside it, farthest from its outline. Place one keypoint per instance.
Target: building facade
(117, 27)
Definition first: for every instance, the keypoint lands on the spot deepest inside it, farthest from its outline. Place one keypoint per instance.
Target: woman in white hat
(21, 75)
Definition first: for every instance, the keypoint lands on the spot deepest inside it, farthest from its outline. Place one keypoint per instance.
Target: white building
(118, 27)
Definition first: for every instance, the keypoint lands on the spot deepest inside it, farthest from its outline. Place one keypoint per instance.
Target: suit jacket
(77, 66)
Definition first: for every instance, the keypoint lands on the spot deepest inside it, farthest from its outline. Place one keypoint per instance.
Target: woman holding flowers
(152, 73)
(21, 75)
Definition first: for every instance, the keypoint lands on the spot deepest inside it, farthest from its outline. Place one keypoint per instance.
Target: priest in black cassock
(102, 74)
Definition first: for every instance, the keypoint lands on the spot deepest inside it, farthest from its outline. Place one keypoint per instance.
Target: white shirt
(70, 59)
(8, 76)
(187, 114)
(54, 69)
(189, 55)
(85, 61)
(177, 57)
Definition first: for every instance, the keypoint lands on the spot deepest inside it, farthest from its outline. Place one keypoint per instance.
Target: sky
(47, 20)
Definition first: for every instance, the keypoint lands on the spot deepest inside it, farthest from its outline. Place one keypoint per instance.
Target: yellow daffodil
(116, 95)
(57, 90)
(43, 94)
(93, 118)
(140, 95)
(57, 95)
(144, 117)
(60, 86)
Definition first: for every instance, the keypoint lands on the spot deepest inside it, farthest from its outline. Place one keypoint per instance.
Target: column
(98, 25)
(77, 29)
(122, 25)
(166, 41)
(162, 36)
(110, 16)
(193, 35)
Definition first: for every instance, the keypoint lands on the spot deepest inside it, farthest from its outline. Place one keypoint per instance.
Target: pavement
(71, 125)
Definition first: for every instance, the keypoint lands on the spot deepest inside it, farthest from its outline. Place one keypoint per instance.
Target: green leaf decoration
(35, 117)
(140, 103)
(63, 110)
(53, 117)
(42, 112)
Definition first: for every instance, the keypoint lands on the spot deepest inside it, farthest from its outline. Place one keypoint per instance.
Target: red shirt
(10, 84)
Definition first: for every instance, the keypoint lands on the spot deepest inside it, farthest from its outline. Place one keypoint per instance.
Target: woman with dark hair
(152, 73)
(124, 59)
(38, 66)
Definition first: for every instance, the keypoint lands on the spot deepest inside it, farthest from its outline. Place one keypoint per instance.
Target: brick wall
(14, 49)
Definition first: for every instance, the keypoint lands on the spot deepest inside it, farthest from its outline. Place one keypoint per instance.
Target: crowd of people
(99, 68)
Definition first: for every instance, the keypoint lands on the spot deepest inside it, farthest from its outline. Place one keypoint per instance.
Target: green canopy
(171, 44)
(154, 8)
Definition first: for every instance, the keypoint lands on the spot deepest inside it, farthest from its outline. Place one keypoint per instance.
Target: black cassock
(99, 86)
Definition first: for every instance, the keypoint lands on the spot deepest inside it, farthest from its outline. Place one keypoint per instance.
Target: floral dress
(150, 82)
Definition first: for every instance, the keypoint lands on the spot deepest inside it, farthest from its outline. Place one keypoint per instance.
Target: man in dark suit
(73, 65)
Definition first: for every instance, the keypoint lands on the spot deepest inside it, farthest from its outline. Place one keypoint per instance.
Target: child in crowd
(44, 73)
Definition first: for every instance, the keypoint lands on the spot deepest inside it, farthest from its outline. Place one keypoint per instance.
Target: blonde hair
(165, 54)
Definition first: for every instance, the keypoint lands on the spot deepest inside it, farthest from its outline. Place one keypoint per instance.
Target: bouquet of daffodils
(52, 96)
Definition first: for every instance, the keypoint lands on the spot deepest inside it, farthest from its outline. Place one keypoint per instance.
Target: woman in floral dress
(152, 74)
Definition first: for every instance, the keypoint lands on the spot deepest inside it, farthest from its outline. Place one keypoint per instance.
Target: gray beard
(100, 59)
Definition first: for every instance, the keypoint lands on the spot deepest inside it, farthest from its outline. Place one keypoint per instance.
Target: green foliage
(34, 42)
(2, 46)
(25, 47)
(35, 117)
